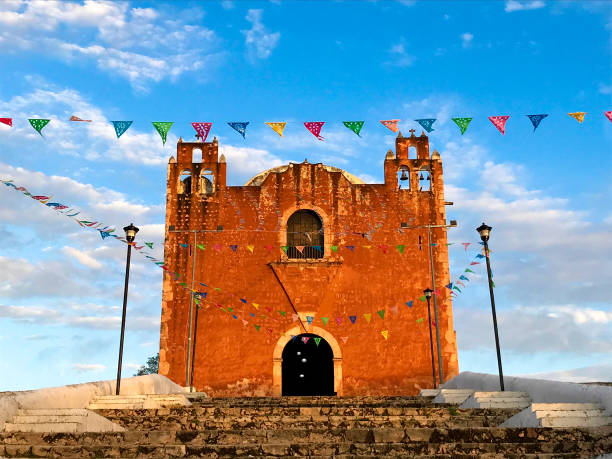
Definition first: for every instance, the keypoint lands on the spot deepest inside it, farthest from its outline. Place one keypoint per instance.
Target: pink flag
(499, 122)
(474, 263)
(202, 129)
(608, 115)
(390, 124)
(344, 339)
(76, 118)
(295, 317)
(7, 121)
(339, 320)
(393, 309)
(383, 248)
(217, 247)
(465, 244)
(315, 128)
(300, 248)
(268, 247)
(305, 339)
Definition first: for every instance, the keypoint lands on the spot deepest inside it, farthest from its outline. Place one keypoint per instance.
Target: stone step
(452, 396)
(60, 420)
(500, 399)
(343, 449)
(134, 402)
(560, 415)
(429, 392)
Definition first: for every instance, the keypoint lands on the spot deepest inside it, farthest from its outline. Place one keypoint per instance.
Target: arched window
(196, 155)
(207, 182)
(185, 182)
(305, 235)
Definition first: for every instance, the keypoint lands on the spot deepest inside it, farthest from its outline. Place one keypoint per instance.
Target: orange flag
(277, 127)
(390, 124)
(579, 116)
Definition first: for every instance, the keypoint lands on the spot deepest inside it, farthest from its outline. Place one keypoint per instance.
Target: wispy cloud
(88, 367)
(515, 5)
(258, 40)
(466, 39)
(398, 56)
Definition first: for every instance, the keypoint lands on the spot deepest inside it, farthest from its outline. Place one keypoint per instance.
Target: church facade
(305, 281)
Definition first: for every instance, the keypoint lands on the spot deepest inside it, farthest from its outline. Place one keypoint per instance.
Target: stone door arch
(277, 357)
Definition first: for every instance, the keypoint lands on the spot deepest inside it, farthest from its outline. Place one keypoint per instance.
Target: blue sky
(546, 194)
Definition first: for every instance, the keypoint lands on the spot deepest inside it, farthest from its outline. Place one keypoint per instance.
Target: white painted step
(453, 396)
(499, 399)
(137, 402)
(60, 420)
(560, 415)
(429, 392)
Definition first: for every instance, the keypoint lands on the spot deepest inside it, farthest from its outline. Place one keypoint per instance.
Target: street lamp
(130, 234)
(428, 293)
(484, 232)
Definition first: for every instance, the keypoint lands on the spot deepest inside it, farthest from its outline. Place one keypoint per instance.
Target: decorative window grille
(305, 235)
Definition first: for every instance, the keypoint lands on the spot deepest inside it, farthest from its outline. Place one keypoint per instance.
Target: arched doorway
(308, 366)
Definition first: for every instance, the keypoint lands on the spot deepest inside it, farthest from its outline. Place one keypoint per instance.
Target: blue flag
(449, 286)
(240, 128)
(309, 319)
(535, 120)
(427, 123)
(464, 278)
(121, 127)
(353, 319)
(409, 304)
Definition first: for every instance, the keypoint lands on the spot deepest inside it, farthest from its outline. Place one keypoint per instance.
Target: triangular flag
(492, 283)
(353, 319)
(367, 246)
(393, 309)
(427, 123)
(202, 129)
(76, 118)
(234, 316)
(243, 300)
(463, 278)
(463, 123)
(295, 317)
(149, 245)
(293, 337)
(385, 334)
(268, 247)
(38, 124)
(381, 313)
(7, 121)
(201, 246)
(339, 320)
(300, 248)
(608, 115)
(284, 248)
(535, 120)
(474, 263)
(579, 116)
(457, 288)
(344, 339)
(184, 245)
(465, 244)
(282, 313)
(305, 339)
(325, 320)
(309, 319)
(162, 127)
(121, 127)
(277, 127)
(318, 247)
(317, 340)
(315, 128)
(252, 314)
(244, 322)
(460, 283)
(383, 247)
(354, 126)
(350, 247)
(334, 248)
(422, 298)
(218, 247)
(257, 327)
(390, 124)
(255, 305)
(418, 321)
(468, 270)
(400, 248)
(233, 247)
(480, 256)
(251, 248)
(449, 286)
(239, 127)
(368, 317)
(499, 122)
(104, 234)
(409, 303)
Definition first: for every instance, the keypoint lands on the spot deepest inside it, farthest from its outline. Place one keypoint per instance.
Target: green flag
(324, 320)
(38, 124)
(317, 340)
(400, 248)
(257, 327)
(334, 248)
(419, 320)
(282, 313)
(468, 270)
(462, 123)
(284, 248)
(200, 246)
(163, 127)
(381, 313)
(423, 298)
(149, 245)
(354, 126)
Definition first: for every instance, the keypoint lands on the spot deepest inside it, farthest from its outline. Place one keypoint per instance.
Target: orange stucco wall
(235, 359)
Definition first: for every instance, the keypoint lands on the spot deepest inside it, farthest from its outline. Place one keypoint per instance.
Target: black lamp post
(484, 232)
(428, 293)
(130, 234)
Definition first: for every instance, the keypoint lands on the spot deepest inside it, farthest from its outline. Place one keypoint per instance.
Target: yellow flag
(367, 316)
(255, 305)
(250, 247)
(367, 246)
(579, 116)
(277, 127)
(385, 334)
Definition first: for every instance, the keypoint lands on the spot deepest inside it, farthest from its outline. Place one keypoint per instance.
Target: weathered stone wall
(234, 359)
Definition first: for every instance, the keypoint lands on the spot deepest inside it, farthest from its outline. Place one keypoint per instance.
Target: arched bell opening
(307, 366)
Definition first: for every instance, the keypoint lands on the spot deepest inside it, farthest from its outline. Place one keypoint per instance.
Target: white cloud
(466, 39)
(134, 43)
(595, 373)
(82, 257)
(515, 5)
(88, 367)
(399, 56)
(258, 40)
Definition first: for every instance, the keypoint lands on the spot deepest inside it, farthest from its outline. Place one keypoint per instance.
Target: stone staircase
(512, 400)
(342, 427)
(137, 402)
(60, 420)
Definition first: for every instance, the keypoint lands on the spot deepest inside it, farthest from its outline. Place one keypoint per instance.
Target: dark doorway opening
(308, 367)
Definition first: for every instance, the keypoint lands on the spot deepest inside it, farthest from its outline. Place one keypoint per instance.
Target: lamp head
(484, 231)
(130, 232)
(428, 292)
